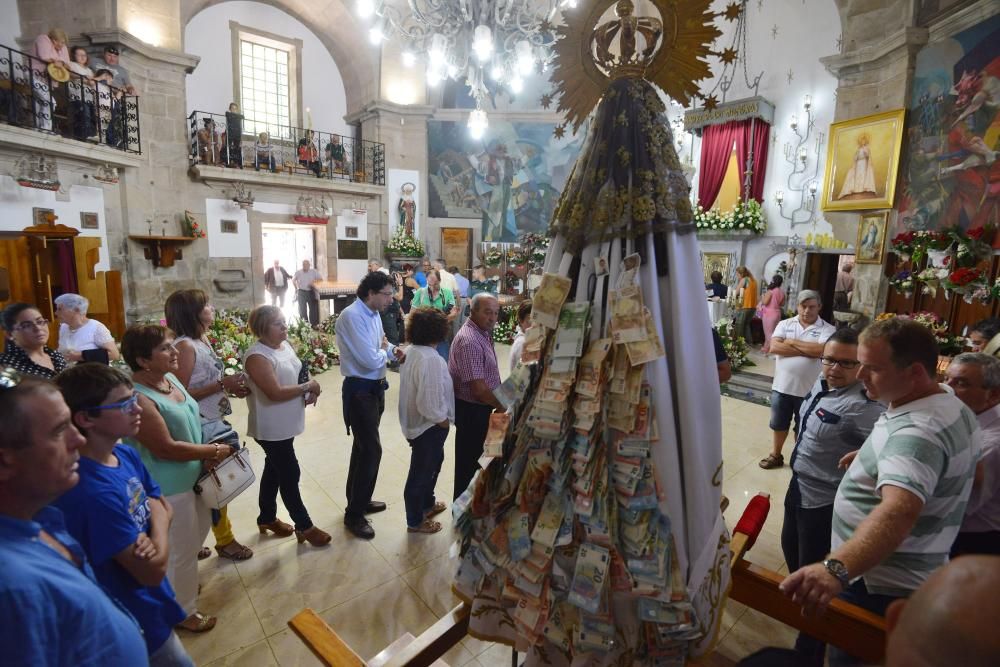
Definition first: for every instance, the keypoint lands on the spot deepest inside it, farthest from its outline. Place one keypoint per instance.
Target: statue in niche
(407, 208)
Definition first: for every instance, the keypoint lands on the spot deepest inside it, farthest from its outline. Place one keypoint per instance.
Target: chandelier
(479, 40)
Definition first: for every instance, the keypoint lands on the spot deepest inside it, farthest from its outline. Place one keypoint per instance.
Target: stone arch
(337, 29)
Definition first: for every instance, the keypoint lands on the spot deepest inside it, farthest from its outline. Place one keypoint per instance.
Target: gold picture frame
(862, 162)
(716, 261)
(870, 248)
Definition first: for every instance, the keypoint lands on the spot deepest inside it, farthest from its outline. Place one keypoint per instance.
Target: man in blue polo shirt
(117, 511)
(52, 612)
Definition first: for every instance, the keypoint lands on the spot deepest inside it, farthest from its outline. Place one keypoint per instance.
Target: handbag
(224, 482)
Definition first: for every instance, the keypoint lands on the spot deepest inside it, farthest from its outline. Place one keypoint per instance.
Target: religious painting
(716, 261)
(861, 162)
(351, 232)
(951, 165)
(870, 247)
(88, 220)
(510, 179)
(42, 216)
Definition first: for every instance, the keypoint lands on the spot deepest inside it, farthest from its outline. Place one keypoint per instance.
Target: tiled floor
(373, 592)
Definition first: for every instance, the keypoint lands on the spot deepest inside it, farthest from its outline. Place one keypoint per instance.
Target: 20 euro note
(589, 577)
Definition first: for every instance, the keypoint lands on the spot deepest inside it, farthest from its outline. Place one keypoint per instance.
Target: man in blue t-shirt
(52, 611)
(117, 512)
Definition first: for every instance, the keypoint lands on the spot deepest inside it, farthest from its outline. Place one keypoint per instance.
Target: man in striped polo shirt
(901, 502)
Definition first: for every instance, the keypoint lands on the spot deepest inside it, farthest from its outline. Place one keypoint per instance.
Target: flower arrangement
(493, 256)
(965, 281)
(315, 349)
(404, 244)
(931, 277)
(736, 347)
(948, 343)
(745, 215)
(536, 247)
(230, 338)
(506, 326)
(516, 257)
(903, 282)
(190, 226)
(511, 281)
(968, 247)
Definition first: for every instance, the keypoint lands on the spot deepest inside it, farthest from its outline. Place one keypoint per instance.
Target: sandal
(204, 553)
(198, 622)
(234, 551)
(427, 527)
(435, 509)
(772, 461)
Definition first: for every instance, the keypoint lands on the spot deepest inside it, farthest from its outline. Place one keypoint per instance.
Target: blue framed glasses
(126, 406)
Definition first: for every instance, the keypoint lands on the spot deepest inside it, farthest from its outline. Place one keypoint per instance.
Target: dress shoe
(314, 535)
(360, 527)
(375, 506)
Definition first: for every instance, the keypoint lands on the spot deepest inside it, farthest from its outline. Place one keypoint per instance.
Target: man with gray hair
(798, 343)
(975, 379)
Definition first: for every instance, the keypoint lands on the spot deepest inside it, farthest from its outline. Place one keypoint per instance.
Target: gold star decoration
(711, 102)
(560, 131)
(729, 55)
(733, 10)
(546, 101)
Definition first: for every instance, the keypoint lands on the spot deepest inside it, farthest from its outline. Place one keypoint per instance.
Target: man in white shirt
(975, 379)
(798, 343)
(307, 295)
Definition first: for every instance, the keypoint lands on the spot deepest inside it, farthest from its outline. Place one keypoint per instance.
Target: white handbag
(230, 478)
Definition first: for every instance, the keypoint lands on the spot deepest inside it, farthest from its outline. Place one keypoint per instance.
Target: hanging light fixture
(478, 123)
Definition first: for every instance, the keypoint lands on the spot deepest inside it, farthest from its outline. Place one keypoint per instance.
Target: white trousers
(188, 530)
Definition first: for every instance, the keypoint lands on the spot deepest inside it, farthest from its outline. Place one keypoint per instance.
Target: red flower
(976, 233)
(962, 277)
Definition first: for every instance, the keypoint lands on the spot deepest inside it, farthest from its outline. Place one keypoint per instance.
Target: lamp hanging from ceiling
(505, 40)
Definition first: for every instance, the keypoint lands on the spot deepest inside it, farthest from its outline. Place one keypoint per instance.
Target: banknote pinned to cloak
(593, 534)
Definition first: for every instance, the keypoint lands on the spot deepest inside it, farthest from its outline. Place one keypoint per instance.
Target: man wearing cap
(798, 343)
(116, 132)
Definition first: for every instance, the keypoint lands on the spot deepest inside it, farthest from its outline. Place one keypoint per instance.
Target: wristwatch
(838, 570)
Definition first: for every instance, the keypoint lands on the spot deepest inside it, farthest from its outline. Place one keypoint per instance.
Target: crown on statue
(616, 43)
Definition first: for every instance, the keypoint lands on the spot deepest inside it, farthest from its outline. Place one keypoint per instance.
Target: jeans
(171, 654)
(365, 412)
(805, 539)
(308, 301)
(858, 594)
(281, 473)
(278, 298)
(426, 457)
(472, 421)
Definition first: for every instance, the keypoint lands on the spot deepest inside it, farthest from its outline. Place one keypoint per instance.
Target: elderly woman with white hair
(79, 334)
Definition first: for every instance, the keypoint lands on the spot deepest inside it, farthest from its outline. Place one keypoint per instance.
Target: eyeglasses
(40, 323)
(843, 363)
(126, 406)
(9, 378)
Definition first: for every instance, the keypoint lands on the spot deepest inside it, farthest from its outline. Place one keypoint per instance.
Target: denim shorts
(783, 409)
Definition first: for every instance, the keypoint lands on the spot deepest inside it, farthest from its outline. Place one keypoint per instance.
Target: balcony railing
(282, 149)
(80, 108)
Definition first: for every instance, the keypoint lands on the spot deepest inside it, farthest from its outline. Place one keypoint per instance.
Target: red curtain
(756, 133)
(716, 147)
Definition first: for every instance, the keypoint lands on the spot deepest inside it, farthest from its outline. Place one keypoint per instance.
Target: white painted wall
(210, 86)
(17, 202)
(806, 31)
(352, 270)
(226, 245)
(10, 23)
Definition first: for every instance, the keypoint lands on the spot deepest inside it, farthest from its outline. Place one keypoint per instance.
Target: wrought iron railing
(282, 148)
(80, 108)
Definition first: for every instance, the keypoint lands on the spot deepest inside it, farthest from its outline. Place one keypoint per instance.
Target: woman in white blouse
(426, 411)
(277, 403)
(78, 333)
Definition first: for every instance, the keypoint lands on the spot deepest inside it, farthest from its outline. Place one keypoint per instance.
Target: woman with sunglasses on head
(170, 445)
(189, 315)
(26, 350)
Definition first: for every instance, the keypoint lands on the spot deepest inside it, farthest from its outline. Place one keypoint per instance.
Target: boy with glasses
(117, 511)
(835, 419)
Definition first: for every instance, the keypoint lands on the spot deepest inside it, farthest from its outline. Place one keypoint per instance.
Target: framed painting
(42, 216)
(862, 160)
(870, 248)
(716, 261)
(88, 221)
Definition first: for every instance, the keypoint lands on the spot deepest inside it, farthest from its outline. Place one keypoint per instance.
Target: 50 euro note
(627, 325)
(499, 423)
(549, 299)
(649, 348)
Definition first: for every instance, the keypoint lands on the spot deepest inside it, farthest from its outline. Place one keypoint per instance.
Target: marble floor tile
(432, 583)
(255, 655)
(223, 595)
(403, 550)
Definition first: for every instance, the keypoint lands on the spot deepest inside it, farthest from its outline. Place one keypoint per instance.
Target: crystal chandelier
(478, 40)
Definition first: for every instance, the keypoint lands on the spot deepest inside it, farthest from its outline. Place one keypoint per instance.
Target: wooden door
(821, 275)
(456, 248)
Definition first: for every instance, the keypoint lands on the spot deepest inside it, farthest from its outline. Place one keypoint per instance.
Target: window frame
(240, 33)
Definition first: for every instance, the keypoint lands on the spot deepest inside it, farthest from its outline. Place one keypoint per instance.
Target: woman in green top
(440, 298)
(169, 442)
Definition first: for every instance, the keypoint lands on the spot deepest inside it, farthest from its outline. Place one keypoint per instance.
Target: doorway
(821, 275)
(290, 245)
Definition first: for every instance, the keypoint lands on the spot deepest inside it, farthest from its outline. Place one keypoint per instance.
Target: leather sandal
(278, 527)
(234, 551)
(427, 527)
(198, 622)
(772, 461)
(435, 509)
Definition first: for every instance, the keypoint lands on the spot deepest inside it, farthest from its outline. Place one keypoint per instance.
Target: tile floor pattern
(372, 592)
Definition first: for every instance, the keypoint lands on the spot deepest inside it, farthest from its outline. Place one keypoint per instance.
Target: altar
(717, 309)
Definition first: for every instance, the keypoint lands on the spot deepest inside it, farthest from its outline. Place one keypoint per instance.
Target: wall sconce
(799, 181)
(795, 122)
(807, 102)
(779, 197)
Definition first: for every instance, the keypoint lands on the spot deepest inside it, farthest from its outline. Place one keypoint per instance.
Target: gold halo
(680, 61)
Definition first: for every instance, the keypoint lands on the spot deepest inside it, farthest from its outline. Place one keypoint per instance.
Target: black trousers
(472, 421)
(308, 301)
(987, 543)
(365, 412)
(857, 593)
(805, 539)
(281, 473)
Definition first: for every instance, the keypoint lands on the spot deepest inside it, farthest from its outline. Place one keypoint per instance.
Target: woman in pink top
(770, 308)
